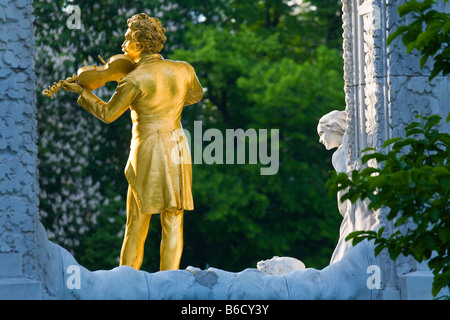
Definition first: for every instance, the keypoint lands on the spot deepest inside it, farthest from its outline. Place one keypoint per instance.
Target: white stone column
(385, 89)
(18, 154)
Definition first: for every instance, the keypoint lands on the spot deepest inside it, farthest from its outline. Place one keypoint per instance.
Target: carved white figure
(279, 265)
(331, 131)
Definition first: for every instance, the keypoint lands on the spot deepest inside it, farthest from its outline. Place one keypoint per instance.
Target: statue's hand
(70, 85)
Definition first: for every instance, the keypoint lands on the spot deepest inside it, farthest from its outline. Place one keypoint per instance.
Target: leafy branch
(412, 180)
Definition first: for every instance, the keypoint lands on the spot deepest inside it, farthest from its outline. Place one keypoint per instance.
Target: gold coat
(159, 169)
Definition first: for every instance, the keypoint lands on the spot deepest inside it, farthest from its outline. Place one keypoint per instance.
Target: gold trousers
(136, 230)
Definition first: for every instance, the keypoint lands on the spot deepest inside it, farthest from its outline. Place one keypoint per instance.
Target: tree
(252, 83)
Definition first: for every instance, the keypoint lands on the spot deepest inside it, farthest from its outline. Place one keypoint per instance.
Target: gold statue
(159, 178)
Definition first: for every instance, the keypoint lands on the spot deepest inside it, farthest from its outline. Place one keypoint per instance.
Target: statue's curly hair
(147, 32)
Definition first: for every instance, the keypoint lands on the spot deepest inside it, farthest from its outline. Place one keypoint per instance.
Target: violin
(94, 77)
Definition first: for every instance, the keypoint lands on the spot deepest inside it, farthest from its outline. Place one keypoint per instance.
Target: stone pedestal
(416, 285)
(13, 285)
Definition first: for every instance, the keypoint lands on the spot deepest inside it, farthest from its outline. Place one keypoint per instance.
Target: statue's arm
(195, 89)
(122, 98)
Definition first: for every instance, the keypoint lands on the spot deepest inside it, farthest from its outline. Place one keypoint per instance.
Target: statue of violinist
(159, 178)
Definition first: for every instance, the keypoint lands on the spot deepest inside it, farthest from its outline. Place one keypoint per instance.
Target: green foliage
(412, 179)
(252, 83)
(431, 41)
